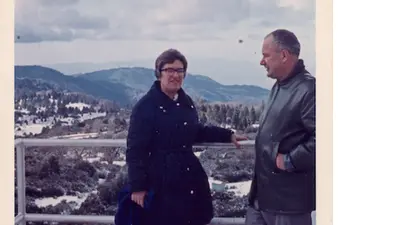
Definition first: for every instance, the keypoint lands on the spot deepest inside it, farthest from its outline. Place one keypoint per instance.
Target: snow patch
(43, 202)
(24, 111)
(98, 157)
(101, 180)
(119, 163)
(32, 128)
(93, 159)
(87, 116)
(78, 105)
(239, 188)
(41, 109)
(198, 154)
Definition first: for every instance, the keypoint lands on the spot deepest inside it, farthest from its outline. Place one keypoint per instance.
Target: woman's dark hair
(169, 56)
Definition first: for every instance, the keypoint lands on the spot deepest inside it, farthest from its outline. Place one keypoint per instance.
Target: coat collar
(163, 99)
(298, 70)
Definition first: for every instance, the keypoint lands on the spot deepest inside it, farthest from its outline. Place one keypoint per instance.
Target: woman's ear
(157, 75)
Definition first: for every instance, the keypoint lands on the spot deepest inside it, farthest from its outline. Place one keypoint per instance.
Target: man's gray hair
(286, 40)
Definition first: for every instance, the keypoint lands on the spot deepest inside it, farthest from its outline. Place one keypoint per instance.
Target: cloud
(76, 20)
(26, 34)
(206, 31)
(45, 20)
(185, 20)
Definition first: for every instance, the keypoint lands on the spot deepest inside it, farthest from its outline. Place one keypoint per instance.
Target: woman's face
(172, 76)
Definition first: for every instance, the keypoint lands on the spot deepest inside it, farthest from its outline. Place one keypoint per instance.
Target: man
(283, 187)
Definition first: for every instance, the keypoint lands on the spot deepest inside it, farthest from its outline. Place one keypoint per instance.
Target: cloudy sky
(82, 35)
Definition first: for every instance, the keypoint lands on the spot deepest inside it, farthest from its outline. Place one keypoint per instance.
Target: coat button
(191, 192)
(184, 146)
(187, 169)
(185, 123)
(177, 104)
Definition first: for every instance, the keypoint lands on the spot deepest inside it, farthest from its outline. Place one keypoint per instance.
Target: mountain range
(128, 84)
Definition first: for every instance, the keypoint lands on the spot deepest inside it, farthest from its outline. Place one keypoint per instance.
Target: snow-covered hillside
(31, 124)
(28, 122)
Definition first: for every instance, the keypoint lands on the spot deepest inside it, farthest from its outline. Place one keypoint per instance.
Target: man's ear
(285, 55)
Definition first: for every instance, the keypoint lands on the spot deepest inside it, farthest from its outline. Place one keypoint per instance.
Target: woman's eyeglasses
(171, 71)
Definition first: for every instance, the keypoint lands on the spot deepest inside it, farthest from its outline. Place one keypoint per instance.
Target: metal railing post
(21, 182)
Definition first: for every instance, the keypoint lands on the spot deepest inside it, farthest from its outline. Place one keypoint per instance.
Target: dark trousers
(255, 216)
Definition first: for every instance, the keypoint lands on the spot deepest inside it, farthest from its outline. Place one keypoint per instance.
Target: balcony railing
(22, 144)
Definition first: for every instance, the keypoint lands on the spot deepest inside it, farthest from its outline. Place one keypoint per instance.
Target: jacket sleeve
(137, 154)
(303, 156)
(212, 134)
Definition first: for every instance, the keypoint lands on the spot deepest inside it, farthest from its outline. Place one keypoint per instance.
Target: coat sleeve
(137, 154)
(210, 133)
(303, 156)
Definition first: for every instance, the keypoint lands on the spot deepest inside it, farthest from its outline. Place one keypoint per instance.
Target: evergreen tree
(236, 118)
(253, 115)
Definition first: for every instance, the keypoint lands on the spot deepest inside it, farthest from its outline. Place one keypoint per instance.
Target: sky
(77, 36)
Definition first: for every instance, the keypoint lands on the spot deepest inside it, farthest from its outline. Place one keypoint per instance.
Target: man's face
(272, 59)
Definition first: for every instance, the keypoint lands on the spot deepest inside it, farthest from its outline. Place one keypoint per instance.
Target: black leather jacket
(287, 127)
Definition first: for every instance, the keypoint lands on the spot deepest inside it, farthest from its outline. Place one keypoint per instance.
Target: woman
(164, 125)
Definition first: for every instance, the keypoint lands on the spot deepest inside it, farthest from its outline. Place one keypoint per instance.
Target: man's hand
(280, 162)
(236, 138)
(138, 197)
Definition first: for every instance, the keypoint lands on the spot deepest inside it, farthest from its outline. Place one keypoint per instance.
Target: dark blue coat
(160, 157)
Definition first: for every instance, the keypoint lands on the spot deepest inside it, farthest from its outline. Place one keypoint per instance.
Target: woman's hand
(236, 138)
(138, 197)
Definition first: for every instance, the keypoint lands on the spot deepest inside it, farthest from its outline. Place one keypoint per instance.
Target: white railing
(22, 144)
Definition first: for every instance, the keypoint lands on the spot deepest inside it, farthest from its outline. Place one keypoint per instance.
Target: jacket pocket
(275, 147)
(275, 151)
(269, 153)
